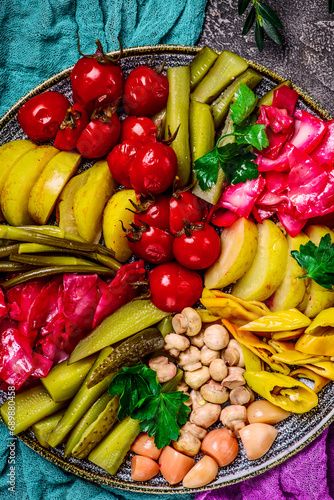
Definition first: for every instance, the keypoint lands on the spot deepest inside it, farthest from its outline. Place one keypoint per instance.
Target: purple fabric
(308, 475)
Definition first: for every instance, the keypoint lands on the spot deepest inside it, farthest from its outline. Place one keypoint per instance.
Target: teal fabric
(38, 40)
(38, 37)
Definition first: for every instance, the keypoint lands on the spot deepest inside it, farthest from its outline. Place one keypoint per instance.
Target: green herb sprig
(317, 261)
(142, 397)
(266, 21)
(236, 159)
(331, 6)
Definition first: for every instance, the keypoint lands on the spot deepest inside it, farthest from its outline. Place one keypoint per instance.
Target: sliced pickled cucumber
(44, 427)
(89, 417)
(29, 407)
(97, 430)
(63, 380)
(128, 354)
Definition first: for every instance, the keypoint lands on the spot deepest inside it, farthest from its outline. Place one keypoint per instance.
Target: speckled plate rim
(26, 438)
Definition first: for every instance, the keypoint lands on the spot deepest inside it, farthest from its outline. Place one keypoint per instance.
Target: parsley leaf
(254, 135)
(206, 169)
(238, 164)
(133, 384)
(244, 104)
(236, 159)
(317, 261)
(161, 416)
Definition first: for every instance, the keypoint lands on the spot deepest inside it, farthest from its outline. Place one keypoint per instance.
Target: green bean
(81, 402)
(178, 116)
(50, 260)
(221, 105)
(9, 249)
(63, 380)
(126, 321)
(28, 236)
(226, 68)
(53, 231)
(200, 65)
(50, 271)
(10, 267)
(37, 248)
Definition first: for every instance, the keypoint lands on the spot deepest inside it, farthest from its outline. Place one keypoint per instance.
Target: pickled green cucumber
(63, 380)
(221, 105)
(111, 451)
(200, 65)
(43, 428)
(126, 321)
(29, 407)
(213, 194)
(178, 116)
(90, 416)
(128, 354)
(226, 68)
(97, 430)
(81, 402)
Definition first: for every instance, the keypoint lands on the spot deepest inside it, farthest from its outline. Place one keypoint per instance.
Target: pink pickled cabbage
(279, 129)
(119, 291)
(291, 224)
(280, 163)
(3, 306)
(80, 300)
(306, 181)
(324, 152)
(16, 358)
(21, 299)
(309, 131)
(241, 198)
(286, 98)
(45, 306)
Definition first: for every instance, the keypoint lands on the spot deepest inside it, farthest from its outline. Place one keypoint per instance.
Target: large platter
(295, 432)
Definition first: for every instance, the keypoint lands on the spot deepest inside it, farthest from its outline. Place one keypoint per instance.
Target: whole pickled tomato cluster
(91, 125)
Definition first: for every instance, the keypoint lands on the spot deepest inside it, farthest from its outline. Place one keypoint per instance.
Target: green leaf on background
(331, 6)
(317, 261)
(249, 21)
(242, 6)
(259, 36)
(272, 32)
(269, 15)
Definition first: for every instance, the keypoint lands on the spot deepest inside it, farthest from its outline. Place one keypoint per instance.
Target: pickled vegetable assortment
(187, 331)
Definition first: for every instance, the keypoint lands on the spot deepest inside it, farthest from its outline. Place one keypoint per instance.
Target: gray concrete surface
(307, 54)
